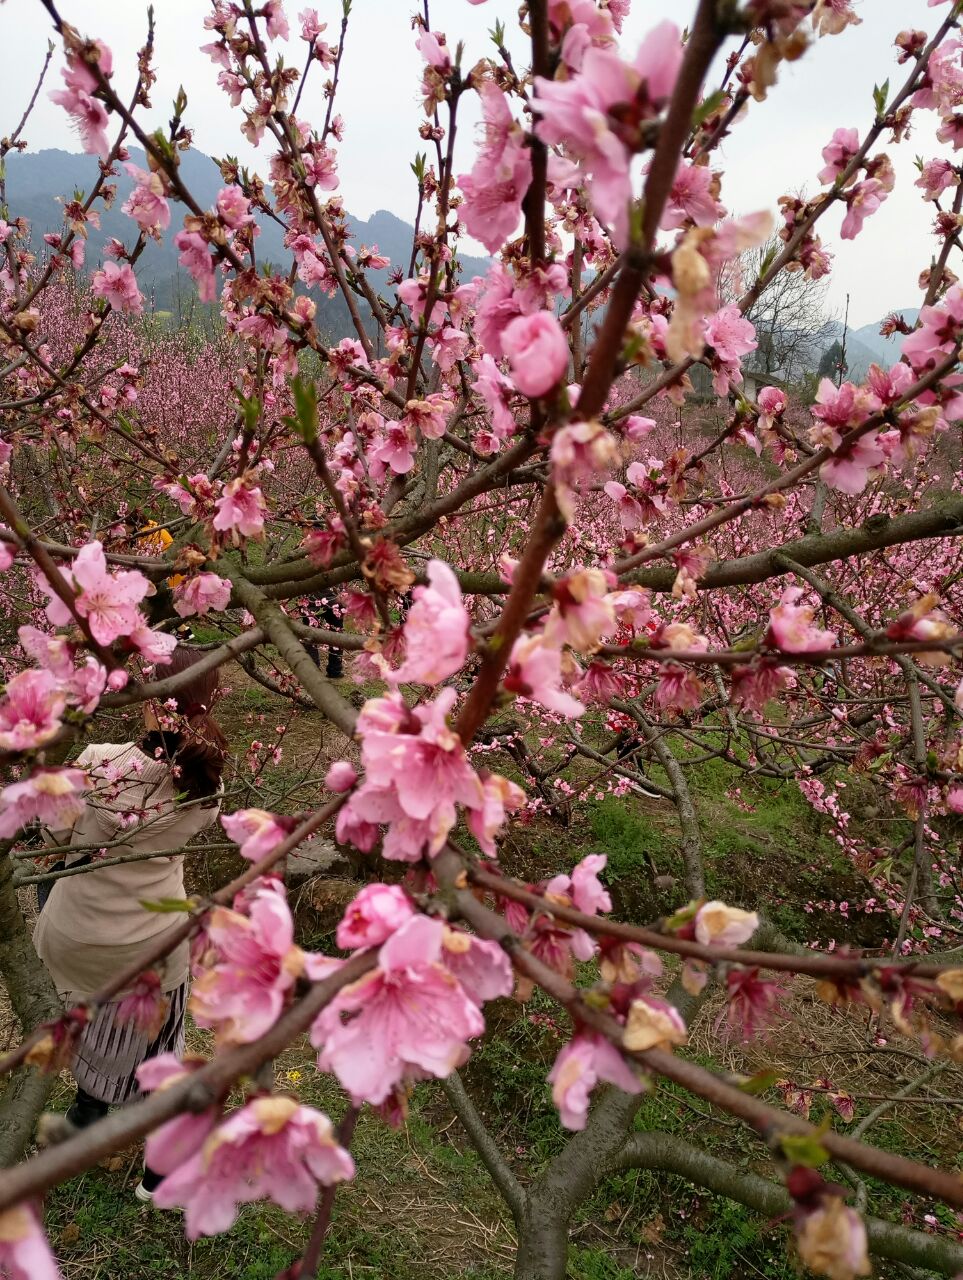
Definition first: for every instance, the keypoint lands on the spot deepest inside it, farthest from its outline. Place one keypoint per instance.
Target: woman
(150, 795)
(327, 606)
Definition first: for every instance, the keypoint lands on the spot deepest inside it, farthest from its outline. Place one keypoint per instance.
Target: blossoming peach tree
(473, 475)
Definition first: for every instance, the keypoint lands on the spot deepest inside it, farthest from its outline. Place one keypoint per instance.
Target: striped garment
(110, 1052)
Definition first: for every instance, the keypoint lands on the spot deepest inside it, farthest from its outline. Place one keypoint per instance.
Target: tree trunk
(34, 999)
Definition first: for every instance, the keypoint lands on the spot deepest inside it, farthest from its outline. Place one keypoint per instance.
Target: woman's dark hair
(200, 751)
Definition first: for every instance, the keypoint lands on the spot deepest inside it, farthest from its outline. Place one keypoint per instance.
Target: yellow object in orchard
(155, 542)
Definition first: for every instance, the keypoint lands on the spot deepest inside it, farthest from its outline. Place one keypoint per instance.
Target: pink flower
(145, 1005)
(436, 629)
(837, 406)
(90, 116)
(501, 175)
(196, 258)
(373, 915)
(937, 333)
(271, 1149)
(30, 711)
(431, 45)
(582, 614)
(537, 351)
(416, 774)
(954, 798)
(692, 198)
(116, 282)
(201, 594)
(850, 469)
(240, 508)
(772, 402)
(425, 765)
(408, 1019)
(429, 417)
(155, 646)
(535, 671)
(52, 652)
(935, 177)
(629, 508)
(53, 797)
(24, 1251)
(632, 608)
(242, 990)
(751, 1002)
(837, 153)
(397, 450)
(177, 1140)
(448, 346)
(831, 1238)
(311, 25)
(277, 23)
(757, 683)
(147, 204)
(791, 626)
(864, 199)
(579, 114)
(730, 334)
(233, 208)
(679, 687)
(600, 683)
(588, 892)
(341, 776)
(580, 452)
(580, 1065)
(107, 601)
(721, 926)
(499, 798)
(256, 831)
(481, 967)
(653, 1023)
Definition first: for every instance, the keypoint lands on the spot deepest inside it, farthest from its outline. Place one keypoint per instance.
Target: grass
(422, 1206)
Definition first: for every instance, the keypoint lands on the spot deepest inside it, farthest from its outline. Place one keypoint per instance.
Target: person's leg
(151, 1180)
(333, 620)
(86, 1110)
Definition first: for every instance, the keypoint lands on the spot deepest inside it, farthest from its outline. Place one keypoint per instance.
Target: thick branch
(668, 1153)
(481, 1139)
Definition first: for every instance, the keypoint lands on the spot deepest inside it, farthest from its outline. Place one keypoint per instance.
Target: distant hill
(39, 181)
(866, 346)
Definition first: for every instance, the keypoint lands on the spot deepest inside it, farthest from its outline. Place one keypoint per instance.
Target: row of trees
(599, 599)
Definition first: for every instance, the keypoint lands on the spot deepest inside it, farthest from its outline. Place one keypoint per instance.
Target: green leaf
(760, 1082)
(168, 905)
(706, 107)
(164, 146)
(682, 916)
(803, 1149)
(880, 94)
(305, 408)
(250, 412)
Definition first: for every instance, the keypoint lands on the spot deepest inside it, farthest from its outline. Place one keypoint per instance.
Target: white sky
(774, 150)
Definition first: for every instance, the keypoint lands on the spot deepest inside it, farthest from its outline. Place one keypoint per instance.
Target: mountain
(866, 346)
(38, 182)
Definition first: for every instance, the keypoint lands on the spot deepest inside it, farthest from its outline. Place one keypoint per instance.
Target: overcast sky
(774, 150)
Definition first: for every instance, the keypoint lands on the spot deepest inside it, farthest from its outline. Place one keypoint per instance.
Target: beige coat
(93, 923)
